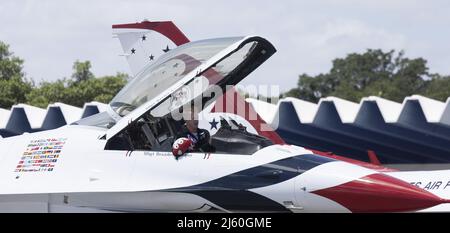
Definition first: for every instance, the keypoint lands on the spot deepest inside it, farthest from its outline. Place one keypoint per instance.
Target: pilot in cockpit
(200, 138)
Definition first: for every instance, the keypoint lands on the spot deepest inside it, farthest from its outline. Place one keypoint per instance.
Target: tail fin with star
(143, 42)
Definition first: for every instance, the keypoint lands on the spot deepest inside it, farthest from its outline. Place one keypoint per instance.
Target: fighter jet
(162, 33)
(122, 160)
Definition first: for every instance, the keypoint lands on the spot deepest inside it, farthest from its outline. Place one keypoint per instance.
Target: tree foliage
(389, 75)
(13, 85)
(82, 87)
(77, 92)
(82, 71)
(438, 88)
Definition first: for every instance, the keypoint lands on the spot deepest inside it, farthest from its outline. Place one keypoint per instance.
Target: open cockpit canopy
(166, 71)
(185, 74)
(207, 62)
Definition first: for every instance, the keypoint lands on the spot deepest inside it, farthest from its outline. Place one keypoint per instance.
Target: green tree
(13, 85)
(81, 88)
(82, 71)
(101, 89)
(13, 91)
(47, 93)
(437, 88)
(10, 66)
(386, 74)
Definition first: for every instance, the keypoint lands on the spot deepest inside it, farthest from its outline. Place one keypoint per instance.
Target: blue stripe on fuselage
(265, 175)
(231, 192)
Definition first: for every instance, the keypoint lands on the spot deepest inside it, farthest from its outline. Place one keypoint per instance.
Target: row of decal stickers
(41, 155)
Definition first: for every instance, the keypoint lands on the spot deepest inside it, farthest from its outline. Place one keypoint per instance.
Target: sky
(50, 35)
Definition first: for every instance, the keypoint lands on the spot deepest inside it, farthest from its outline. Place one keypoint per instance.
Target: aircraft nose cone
(380, 193)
